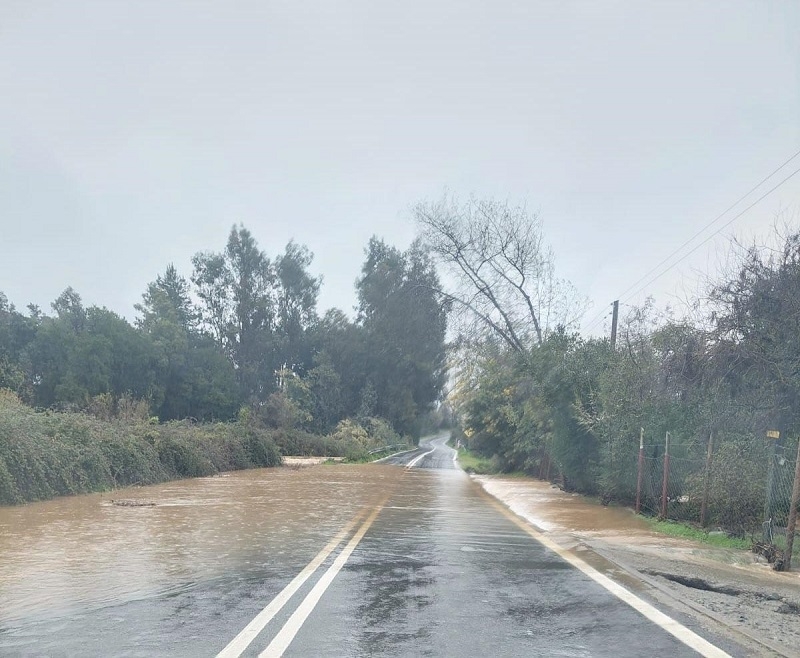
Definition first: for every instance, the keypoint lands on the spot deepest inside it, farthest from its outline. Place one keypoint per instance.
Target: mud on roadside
(734, 588)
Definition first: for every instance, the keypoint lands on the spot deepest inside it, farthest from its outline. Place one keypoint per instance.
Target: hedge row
(45, 454)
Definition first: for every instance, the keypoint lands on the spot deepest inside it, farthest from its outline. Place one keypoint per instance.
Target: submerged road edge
(650, 612)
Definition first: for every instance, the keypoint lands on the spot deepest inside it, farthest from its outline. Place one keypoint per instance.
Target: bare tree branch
(503, 273)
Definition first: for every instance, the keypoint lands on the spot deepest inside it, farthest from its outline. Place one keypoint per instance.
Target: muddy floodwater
(399, 560)
(71, 557)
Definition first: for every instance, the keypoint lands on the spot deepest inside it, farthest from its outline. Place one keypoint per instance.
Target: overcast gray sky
(133, 134)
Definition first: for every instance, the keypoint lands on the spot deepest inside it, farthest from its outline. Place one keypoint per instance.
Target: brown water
(72, 555)
(554, 510)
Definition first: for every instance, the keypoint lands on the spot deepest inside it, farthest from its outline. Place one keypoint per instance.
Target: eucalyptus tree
(84, 352)
(297, 292)
(17, 331)
(194, 377)
(258, 310)
(405, 320)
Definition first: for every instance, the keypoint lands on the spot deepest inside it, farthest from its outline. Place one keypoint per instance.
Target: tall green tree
(296, 296)
(167, 299)
(84, 352)
(260, 311)
(405, 321)
(17, 331)
(237, 289)
(195, 378)
(344, 343)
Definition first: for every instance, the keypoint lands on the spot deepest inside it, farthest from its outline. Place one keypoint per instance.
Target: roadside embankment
(727, 586)
(46, 454)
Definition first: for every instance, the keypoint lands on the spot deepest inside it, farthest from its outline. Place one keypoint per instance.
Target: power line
(713, 235)
(711, 223)
(597, 319)
(605, 313)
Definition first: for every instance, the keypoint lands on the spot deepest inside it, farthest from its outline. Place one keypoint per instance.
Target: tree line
(535, 395)
(244, 331)
(242, 338)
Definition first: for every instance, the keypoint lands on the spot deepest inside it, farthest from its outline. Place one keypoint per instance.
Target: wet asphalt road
(432, 453)
(437, 571)
(442, 573)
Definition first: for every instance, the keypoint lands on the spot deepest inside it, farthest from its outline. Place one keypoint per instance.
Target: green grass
(780, 542)
(675, 529)
(473, 463)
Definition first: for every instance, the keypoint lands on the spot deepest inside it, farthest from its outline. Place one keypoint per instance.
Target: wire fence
(744, 490)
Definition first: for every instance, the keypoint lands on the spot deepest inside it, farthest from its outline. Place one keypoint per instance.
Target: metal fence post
(790, 528)
(666, 479)
(707, 479)
(639, 474)
(773, 436)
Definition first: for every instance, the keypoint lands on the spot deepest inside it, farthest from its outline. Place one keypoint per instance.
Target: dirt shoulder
(723, 588)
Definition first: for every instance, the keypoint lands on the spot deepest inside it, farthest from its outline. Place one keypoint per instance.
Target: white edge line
(402, 452)
(416, 459)
(284, 638)
(238, 644)
(670, 625)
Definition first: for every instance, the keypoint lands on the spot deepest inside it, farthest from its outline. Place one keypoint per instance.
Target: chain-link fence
(742, 488)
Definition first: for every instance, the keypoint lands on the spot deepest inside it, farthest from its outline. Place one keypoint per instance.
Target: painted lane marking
(238, 644)
(667, 623)
(413, 462)
(290, 629)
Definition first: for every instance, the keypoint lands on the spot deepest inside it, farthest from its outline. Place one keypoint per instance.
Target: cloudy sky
(134, 134)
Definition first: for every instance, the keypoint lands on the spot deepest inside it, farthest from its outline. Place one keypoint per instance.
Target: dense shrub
(47, 454)
(298, 442)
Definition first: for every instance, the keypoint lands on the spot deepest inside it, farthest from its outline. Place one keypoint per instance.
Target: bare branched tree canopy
(502, 271)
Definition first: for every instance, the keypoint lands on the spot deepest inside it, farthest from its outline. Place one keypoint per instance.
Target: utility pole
(614, 318)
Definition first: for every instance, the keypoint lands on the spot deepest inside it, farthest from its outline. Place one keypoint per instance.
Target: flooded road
(403, 559)
(75, 571)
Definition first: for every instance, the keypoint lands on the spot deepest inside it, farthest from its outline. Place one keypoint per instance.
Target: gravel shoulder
(730, 590)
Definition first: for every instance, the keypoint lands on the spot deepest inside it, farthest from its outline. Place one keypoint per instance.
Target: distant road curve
(431, 453)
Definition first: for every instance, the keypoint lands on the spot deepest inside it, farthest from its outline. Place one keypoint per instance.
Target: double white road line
(414, 461)
(287, 633)
(284, 637)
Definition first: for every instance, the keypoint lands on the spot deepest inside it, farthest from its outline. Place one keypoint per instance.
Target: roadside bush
(45, 454)
(738, 473)
(298, 442)
(349, 431)
(354, 440)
